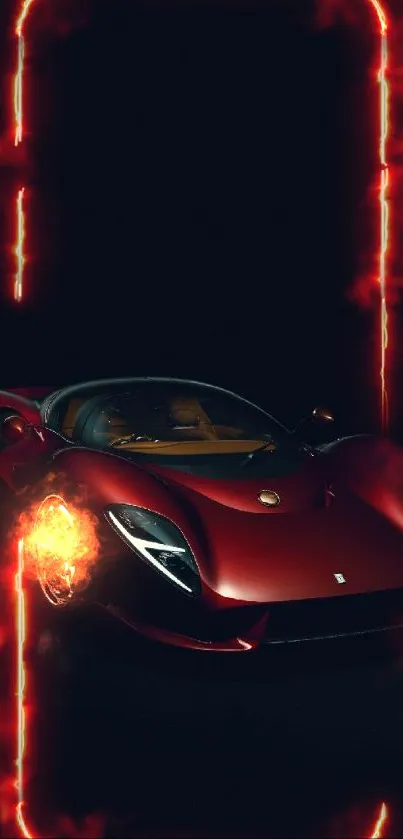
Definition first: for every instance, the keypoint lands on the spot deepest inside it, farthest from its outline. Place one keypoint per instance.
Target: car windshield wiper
(146, 438)
(162, 444)
(268, 446)
(132, 438)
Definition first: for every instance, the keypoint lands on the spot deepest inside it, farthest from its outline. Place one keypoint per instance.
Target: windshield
(163, 418)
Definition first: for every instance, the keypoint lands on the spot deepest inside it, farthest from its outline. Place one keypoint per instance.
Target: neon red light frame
(20, 595)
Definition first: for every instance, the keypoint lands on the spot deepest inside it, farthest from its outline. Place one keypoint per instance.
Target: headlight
(158, 541)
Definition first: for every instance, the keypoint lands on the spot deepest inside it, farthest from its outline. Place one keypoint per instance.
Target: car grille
(334, 617)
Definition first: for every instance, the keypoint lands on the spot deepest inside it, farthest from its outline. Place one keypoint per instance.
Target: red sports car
(217, 528)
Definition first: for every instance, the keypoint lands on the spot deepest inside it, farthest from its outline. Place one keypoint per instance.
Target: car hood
(292, 551)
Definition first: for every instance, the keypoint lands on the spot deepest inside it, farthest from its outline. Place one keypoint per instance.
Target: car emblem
(269, 498)
(339, 578)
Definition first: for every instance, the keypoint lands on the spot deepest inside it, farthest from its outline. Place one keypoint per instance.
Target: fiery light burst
(60, 546)
(18, 85)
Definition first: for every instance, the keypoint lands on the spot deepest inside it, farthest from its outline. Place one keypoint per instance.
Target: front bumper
(280, 623)
(155, 609)
(335, 617)
(130, 590)
(243, 643)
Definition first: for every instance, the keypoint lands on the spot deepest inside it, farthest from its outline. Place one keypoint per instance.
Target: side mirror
(322, 415)
(310, 426)
(13, 429)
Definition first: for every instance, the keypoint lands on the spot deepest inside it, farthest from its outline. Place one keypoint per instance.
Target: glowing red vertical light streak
(18, 138)
(20, 691)
(384, 203)
(19, 73)
(19, 246)
(380, 823)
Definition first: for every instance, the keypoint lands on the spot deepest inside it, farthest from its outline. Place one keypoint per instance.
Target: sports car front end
(216, 575)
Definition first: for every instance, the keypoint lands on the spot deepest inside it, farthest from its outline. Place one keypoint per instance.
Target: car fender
(109, 479)
(372, 467)
(22, 406)
(19, 451)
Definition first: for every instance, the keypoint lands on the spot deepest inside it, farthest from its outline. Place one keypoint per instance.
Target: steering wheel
(82, 426)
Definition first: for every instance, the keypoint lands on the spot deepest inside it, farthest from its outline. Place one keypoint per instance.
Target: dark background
(199, 204)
